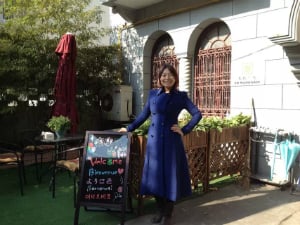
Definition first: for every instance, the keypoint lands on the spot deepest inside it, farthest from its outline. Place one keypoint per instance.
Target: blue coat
(166, 172)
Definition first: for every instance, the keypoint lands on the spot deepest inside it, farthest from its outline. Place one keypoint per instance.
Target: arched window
(212, 70)
(163, 52)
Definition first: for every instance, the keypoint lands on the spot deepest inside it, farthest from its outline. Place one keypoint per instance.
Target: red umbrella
(65, 81)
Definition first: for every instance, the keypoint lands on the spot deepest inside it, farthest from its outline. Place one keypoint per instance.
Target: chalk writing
(104, 161)
(94, 172)
(105, 167)
(96, 180)
(95, 188)
(104, 172)
(98, 196)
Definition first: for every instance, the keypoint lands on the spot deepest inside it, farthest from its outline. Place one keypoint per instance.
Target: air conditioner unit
(117, 103)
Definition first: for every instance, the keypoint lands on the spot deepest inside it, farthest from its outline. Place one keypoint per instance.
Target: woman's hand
(177, 129)
(123, 129)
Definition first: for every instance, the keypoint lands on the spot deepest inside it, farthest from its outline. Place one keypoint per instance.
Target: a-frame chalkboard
(104, 172)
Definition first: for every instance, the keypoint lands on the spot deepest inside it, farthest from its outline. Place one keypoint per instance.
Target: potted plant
(59, 125)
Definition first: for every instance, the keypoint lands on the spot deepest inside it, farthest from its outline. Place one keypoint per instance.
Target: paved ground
(260, 205)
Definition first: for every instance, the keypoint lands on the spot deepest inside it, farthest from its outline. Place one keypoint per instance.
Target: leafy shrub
(205, 124)
(215, 122)
(143, 129)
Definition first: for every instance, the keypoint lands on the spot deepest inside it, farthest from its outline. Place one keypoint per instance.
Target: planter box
(210, 155)
(196, 147)
(136, 163)
(229, 152)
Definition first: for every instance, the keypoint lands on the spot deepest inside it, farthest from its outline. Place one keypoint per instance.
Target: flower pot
(60, 133)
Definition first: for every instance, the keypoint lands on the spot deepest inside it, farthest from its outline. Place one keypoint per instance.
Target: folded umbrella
(65, 81)
(289, 151)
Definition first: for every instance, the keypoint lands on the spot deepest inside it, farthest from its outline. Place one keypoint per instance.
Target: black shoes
(167, 220)
(165, 211)
(157, 218)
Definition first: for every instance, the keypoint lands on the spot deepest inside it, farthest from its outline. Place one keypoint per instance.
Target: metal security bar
(157, 64)
(163, 52)
(212, 81)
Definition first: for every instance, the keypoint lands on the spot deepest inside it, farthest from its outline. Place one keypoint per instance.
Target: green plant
(28, 63)
(205, 124)
(59, 123)
(143, 129)
(216, 122)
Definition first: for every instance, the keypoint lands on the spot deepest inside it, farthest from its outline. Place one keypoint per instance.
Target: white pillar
(185, 71)
(185, 80)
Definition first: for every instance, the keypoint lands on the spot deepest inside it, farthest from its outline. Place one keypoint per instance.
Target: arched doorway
(163, 52)
(212, 70)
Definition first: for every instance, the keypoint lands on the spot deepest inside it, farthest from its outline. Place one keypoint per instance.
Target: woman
(166, 172)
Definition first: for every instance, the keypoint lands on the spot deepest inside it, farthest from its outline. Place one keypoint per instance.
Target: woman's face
(167, 79)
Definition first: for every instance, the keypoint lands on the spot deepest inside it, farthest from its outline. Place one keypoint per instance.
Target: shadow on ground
(261, 204)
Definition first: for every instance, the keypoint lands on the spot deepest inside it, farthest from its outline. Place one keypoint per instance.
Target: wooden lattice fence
(228, 151)
(210, 155)
(196, 147)
(137, 153)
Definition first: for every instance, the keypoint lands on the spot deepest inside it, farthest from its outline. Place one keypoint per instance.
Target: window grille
(163, 52)
(212, 71)
(212, 81)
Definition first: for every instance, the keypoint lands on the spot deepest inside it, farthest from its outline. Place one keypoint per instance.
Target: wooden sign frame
(104, 172)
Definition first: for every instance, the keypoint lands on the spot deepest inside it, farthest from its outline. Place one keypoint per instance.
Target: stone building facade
(255, 41)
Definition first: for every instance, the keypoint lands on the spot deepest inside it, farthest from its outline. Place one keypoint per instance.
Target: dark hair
(173, 72)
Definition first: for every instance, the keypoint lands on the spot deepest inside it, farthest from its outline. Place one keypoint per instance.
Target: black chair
(28, 141)
(11, 155)
(67, 159)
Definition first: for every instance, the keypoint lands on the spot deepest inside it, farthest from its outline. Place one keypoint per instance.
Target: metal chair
(27, 139)
(11, 155)
(67, 159)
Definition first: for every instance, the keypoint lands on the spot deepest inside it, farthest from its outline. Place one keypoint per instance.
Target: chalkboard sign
(104, 172)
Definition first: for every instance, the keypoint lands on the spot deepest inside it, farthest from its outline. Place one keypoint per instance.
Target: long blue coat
(166, 172)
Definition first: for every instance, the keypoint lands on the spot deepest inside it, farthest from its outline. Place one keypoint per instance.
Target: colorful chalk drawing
(104, 168)
(107, 147)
